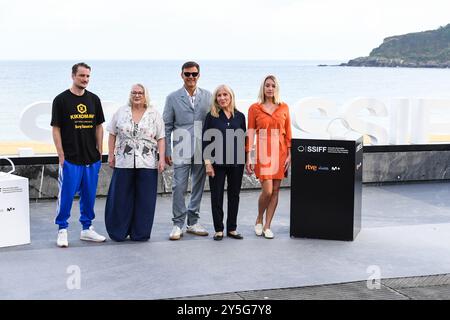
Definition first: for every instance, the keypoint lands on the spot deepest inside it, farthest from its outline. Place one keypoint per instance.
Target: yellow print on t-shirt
(82, 116)
(83, 126)
(82, 109)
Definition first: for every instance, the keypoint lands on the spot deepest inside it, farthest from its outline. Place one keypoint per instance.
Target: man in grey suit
(184, 113)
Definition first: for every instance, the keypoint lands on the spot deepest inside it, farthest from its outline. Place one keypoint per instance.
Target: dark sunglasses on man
(188, 74)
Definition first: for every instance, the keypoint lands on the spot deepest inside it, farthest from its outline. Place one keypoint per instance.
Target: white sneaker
(91, 235)
(197, 229)
(176, 233)
(62, 241)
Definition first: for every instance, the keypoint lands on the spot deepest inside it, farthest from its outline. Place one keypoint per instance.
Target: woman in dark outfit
(224, 156)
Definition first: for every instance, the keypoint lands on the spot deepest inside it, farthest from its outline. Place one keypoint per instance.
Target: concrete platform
(406, 233)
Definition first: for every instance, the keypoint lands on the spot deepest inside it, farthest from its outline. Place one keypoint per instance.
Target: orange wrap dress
(273, 138)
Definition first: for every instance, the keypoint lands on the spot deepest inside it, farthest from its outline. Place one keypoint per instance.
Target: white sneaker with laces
(176, 233)
(197, 229)
(91, 235)
(62, 241)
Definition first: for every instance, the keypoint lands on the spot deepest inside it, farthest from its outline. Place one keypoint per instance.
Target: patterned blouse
(136, 143)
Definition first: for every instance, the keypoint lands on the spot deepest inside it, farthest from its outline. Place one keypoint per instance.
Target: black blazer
(226, 144)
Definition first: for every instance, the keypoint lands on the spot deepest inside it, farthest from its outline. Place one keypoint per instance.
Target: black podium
(326, 187)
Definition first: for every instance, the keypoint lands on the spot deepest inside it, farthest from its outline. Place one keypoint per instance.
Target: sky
(208, 29)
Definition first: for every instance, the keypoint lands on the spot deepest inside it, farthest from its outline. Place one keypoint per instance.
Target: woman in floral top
(136, 138)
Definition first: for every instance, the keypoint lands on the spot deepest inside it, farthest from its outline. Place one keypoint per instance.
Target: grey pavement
(405, 240)
(435, 287)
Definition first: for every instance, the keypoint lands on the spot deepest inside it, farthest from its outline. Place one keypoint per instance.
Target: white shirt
(136, 144)
(191, 98)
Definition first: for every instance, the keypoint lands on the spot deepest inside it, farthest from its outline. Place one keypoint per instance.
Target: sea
(23, 83)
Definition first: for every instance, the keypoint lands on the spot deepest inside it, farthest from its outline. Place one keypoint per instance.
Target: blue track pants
(81, 179)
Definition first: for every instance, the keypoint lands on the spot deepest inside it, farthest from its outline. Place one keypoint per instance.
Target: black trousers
(233, 174)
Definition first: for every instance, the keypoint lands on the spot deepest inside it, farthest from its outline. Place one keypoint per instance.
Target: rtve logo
(310, 167)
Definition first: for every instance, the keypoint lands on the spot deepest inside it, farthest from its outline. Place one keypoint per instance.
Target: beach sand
(10, 148)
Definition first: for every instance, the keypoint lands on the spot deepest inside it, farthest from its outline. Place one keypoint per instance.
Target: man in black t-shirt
(77, 118)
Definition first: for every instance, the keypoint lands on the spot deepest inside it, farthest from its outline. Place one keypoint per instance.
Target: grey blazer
(179, 114)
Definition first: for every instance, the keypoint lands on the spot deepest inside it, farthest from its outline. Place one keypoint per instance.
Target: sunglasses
(188, 74)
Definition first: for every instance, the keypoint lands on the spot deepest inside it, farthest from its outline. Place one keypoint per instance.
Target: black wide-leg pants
(233, 175)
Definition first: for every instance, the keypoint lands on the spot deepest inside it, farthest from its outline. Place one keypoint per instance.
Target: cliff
(427, 49)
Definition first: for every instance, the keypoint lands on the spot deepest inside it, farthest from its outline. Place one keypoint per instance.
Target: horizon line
(156, 59)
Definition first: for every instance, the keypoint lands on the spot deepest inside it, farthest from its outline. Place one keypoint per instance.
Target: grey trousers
(179, 188)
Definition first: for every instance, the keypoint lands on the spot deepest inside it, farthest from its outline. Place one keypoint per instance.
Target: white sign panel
(14, 210)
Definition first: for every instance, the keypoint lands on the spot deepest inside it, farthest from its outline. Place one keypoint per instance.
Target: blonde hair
(146, 95)
(215, 107)
(276, 94)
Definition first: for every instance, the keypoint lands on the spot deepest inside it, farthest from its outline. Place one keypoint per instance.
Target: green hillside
(428, 49)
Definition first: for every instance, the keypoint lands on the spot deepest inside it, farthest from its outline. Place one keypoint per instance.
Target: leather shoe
(268, 234)
(218, 236)
(235, 235)
(259, 229)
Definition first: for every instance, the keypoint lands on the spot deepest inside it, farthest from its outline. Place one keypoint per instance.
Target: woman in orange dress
(269, 119)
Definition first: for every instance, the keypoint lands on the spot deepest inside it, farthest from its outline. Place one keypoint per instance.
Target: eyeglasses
(188, 74)
(135, 93)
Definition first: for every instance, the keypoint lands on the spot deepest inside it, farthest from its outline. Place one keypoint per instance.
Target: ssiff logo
(316, 149)
(313, 149)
